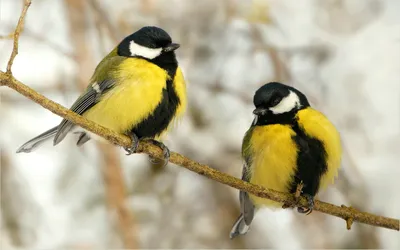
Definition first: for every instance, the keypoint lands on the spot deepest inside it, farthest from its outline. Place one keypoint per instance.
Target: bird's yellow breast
(180, 88)
(316, 125)
(274, 156)
(137, 94)
(274, 152)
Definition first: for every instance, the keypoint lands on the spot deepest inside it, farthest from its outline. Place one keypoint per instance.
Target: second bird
(288, 143)
(138, 90)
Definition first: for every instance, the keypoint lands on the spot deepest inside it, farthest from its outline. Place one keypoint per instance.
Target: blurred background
(343, 54)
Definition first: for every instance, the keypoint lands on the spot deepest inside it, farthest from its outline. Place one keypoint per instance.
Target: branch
(16, 34)
(349, 214)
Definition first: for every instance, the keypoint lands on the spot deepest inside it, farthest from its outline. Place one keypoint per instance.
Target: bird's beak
(260, 111)
(171, 47)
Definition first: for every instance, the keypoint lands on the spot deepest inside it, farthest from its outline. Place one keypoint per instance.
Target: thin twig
(9, 36)
(16, 34)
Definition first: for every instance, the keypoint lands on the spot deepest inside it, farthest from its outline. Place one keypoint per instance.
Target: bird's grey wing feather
(239, 228)
(38, 140)
(83, 138)
(247, 209)
(246, 205)
(84, 102)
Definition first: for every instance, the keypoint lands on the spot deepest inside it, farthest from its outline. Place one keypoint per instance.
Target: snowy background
(343, 54)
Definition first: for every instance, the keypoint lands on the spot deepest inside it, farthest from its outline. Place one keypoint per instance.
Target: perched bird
(138, 90)
(287, 144)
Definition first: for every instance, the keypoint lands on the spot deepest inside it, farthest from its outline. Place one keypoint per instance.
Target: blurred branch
(281, 72)
(9, 36)
(77, 26)
(112, 173)
(57, 48)
(19, 213)
(41, 38)
(10, 192)
(343, 212)
(103, 18)
(116, 193)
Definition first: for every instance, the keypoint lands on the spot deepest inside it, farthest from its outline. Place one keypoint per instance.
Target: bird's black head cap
(148, 42)
(276, 102)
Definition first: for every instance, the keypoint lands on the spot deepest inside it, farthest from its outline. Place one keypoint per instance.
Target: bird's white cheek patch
(139, 50)
(255, 120)
(287, 104)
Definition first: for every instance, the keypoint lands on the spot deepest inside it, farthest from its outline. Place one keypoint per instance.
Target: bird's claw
(135, 143)
(166, 153)
(309, 209)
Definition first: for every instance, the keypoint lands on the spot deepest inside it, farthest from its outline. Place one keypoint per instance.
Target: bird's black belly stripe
(161, 117)
(311, 162)
(159, 120)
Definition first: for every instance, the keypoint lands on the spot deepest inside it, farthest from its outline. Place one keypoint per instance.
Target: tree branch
(16, 34)
(349, 214)
(180, 160)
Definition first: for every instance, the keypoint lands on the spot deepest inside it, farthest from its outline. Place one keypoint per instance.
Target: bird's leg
(296, 194)
(135, 143)
(164, 148)
(309, 209)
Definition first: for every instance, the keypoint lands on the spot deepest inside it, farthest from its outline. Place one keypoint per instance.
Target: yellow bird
(287, 144)
(138, 90)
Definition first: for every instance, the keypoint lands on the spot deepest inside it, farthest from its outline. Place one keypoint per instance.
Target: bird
(288, 143)
(138, 90)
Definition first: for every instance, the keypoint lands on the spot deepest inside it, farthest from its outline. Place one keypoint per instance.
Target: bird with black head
(138, 90)
(289, 143)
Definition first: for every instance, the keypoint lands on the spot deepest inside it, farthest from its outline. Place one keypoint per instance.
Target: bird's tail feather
(239, 227)
(38, 140)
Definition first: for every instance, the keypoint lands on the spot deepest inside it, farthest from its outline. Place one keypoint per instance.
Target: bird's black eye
(275, 101)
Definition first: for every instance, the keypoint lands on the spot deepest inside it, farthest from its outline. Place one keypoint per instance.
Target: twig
(9, 36)
(180, 160)
(343, 212)
(40, 37)
(16, 34)
(102, 17)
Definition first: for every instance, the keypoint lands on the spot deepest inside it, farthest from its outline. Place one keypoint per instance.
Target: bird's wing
(84, 102)
(246, 205)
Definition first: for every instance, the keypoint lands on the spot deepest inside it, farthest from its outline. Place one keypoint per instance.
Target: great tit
(138, 90)
(287, 144)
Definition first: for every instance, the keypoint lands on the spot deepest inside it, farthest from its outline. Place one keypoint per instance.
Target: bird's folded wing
(85, 101)
(246, 205)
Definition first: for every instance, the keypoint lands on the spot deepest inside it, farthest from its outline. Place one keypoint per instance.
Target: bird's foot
(309, 209)
(135, 143)
(296, 195)
(166, 153)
